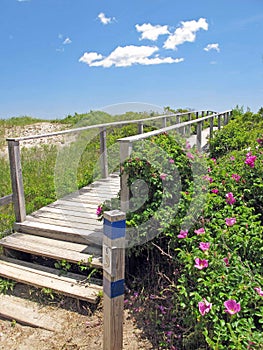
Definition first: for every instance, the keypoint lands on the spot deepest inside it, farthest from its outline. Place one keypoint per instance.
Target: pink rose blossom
(99, 210)
(200, 231)
(250, 160)
(230, 199)
(232, 158)
(171, 161)
(259, 291)
(236, 177)
(189, 155)
(232, 307)
(163, 176)
(201, 263)
(183, 234)
(230, 221)
(226, 261)
(215, 190)
(204, 307)
(204, 246)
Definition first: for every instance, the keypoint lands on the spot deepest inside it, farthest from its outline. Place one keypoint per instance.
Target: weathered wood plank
(93, 237)
(44, 214)
(67, 211)
(92, 225)
(11, 308)
(6, 200)
(42, 277)
(54, 249)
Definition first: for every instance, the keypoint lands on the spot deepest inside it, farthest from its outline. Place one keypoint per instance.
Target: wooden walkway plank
(43, 277)
(54, 249)
(12, 308)
(70, 234)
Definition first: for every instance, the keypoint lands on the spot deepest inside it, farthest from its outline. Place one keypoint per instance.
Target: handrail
(6, 200)
(124, 122)
(126, 145)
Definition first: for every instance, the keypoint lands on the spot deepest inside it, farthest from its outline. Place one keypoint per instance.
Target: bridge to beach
(68, 229)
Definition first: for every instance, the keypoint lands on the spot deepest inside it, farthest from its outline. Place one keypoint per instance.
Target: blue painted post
(113, 278)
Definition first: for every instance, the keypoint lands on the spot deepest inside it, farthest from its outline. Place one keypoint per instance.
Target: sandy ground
(37, 129)
(72, 329)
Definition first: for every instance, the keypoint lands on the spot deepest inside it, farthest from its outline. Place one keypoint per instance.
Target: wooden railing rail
(6, 200)
(126, 144)
(15, 158)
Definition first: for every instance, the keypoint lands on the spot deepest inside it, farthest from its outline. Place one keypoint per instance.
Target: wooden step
(72, 285)
(70, 234)
(54, 249)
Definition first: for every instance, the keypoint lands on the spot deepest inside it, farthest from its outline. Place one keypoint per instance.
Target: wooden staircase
(66, 230)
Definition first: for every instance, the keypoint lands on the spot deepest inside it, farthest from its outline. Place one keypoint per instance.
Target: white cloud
(104, 19)
(90, 57)
(212, 47)
(67, 41)
(127, 56)
(185, 33)
(151, 32)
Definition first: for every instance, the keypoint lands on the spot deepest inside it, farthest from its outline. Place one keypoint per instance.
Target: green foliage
(6, 285)
(231, 266)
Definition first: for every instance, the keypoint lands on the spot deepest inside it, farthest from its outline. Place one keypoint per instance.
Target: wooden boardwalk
(68, 230)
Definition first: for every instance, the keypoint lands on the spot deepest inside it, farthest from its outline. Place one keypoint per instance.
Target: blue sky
(59, 57)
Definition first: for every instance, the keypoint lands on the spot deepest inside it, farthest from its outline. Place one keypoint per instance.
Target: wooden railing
(18, 196)
(126, 143)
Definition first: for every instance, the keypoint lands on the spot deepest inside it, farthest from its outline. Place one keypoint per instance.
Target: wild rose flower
(232, 158)
(260, 142)
(204, 246)
(215, 190)
(232, 307)
(187, 145)
(208, 178)
(99, 210)
(236, 177)
(200, 231)
(250, 160)
(163, 176)
(189, 155)
(171, 161)
(204, 307)
(259, 291)
(226, 261)
(183, 234)
(230, 221)
(230, 199)
(200, 264)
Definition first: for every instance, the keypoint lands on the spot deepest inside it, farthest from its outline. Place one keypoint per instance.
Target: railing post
(125, 152)
(103, 153)
(199, 136)
(178, 119)
(113, 278)
(17, 180)
(211, 127)
(219, 121)
(164, 122)
(140, 128)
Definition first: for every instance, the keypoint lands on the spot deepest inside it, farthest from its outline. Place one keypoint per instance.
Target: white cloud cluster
(105, 20)
(210, 47)
(151, 32)
(127, 56)
(185, 33)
